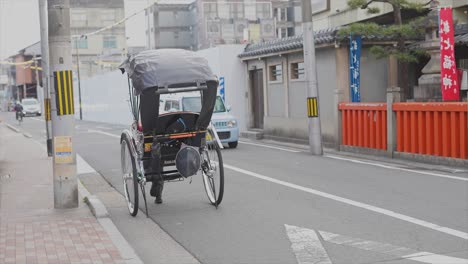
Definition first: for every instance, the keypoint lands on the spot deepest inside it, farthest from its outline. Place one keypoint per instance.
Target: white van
(224, 122)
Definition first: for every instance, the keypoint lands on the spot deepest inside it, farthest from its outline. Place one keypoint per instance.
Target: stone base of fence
(365, 151)
(431, 159)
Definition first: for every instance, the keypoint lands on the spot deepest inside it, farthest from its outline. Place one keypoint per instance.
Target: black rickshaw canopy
(162, 71)
(165, 68)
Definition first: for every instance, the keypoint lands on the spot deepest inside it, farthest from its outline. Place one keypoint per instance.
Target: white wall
(224, 62)
(104, 99)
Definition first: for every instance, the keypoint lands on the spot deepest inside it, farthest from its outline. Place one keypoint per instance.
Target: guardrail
(364, 125)
(437, 129)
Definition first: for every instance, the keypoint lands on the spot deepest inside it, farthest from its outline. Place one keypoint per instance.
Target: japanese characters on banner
(355, 68)
(448, 68)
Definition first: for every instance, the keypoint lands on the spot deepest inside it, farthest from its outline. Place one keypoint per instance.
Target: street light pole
(45, 71)
(63, 119)
(315, 134)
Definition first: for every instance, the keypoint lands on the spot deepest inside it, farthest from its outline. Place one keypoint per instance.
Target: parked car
(31, 106)
(224, 122)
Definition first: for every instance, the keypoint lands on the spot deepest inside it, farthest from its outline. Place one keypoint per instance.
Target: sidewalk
(31, 230)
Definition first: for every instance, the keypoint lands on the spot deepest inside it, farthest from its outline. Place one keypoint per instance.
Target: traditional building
(276, 86)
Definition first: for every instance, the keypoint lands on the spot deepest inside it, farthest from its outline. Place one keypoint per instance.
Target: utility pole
(63, 119)
(79, 79)
(45, 72)
(39, 89)
(315, 133)
(148, 26)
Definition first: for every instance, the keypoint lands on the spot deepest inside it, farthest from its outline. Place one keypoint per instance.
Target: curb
(95, 205)
(103, 217)
(13, 128)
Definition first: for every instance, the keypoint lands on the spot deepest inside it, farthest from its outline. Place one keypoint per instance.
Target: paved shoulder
(151, 243)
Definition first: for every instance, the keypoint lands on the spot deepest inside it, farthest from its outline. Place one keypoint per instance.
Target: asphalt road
(269, 189)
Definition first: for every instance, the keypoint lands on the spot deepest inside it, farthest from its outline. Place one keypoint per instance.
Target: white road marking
(388, 249)
(37, 119)
(307, 246)
(82, 167)
(271, 147)
(104, 127)
(104, 133)
(397, 168)
(369, 207)
(376, 209)
(427, 257)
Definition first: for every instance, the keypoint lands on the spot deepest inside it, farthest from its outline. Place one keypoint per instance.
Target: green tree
(401, 31)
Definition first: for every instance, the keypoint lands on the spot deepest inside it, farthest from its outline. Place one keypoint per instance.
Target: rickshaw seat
(179, 122)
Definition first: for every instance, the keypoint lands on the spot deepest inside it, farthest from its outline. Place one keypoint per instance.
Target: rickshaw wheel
(129, 176)
(213, 172)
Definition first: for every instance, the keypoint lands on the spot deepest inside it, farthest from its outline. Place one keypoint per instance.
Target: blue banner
(355, 68)
(221, 88)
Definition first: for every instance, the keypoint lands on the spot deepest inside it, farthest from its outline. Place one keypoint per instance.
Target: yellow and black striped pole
(312, 107)
(47, 109)
(64, 92)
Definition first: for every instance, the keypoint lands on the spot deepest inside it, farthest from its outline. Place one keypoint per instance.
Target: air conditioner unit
(267, 28)
(240, 25)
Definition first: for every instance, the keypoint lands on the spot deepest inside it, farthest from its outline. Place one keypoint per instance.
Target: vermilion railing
(364, 125)
(438, 129)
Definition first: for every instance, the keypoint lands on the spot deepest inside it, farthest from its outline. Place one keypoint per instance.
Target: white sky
(19, 24)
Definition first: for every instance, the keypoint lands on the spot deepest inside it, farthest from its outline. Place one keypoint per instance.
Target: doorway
(256, 101)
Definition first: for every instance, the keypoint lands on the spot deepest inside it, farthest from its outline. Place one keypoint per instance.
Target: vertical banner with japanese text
(448, 68)
(355, 68)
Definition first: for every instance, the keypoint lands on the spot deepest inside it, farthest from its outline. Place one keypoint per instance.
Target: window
(263, 10)
(81, 43)
(297, 71)
(109, 42)
(282, 32)
(172, 105)
(193, 104)
(79, 18)
(108, 17)
(211, 10)
(276, 73)
(236, 10)
(281, 14)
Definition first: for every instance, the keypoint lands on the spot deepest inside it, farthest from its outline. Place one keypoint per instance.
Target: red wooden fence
(438, 129)
(364, 125)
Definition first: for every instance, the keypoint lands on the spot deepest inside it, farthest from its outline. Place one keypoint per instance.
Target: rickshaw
(169, 146)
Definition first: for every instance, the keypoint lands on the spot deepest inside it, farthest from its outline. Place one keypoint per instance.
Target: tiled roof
(290, 43)
(34, 49)
(461, 34)
(327, 36)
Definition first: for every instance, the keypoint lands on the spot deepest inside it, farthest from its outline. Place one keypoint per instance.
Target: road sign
(221, 88)
(307, 245)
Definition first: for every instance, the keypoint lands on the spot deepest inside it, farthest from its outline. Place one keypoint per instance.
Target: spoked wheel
(129, 174)
(213, 171)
